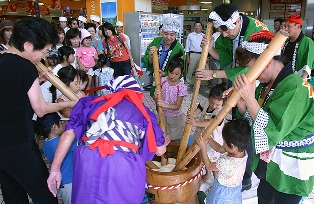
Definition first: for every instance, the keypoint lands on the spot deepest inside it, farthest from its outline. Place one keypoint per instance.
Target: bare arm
(129, 53)
(175, 106)
(203, 74)
(65, 111)
(215, 145)
(208, 164)
(40, 106)
(213, 52)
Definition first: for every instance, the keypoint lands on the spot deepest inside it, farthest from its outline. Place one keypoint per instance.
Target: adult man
(63, 23)
(234, 28)
(166, 46)
(193, 50)
(82, 20)
(277, 24)
(298, 48)
(119, 28)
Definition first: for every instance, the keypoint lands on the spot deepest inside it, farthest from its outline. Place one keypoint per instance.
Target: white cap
(62, 18)
(82, 18)
(95, 18)
(119, 23)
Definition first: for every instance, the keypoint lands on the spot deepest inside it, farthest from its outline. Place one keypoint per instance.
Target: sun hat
(119, 23)
(6, 24)
(84, 34)
(82, 18)
(95, 18)
(62, 18)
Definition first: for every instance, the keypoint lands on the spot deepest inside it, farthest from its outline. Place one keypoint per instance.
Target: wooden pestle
(54, 80)
(253, 73)
(201, 65)
(161, 119)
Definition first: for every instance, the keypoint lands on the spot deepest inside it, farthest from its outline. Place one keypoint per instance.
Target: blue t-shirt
(50, 147)
(163, 54)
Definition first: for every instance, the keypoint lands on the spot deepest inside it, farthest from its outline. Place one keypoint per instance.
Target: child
(83, 80)
(103, 75)
(207, 110)
(72, 39)
(173, 91)
(86, 56)
(66, 57)
(70, 77)
(52, 59)
(230, 166)
(51, 127)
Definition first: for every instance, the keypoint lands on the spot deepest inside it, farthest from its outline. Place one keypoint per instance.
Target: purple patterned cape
(119, 178)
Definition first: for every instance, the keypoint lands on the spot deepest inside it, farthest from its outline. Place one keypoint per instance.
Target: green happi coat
(285, 121)
(156, 42)
(303, 60)
(223, 45)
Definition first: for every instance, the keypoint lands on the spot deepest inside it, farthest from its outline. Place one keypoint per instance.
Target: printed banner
(109, 11)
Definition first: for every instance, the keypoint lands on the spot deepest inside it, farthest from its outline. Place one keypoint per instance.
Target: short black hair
(237, 133)
(88, 25)
(225, 11)
(198, 22)
(34, 30)
(217, 91)
(279, 20)
(70, 34)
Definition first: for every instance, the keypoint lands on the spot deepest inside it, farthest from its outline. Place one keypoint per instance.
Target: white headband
(256, 47)
(171, 25)
(219, 22)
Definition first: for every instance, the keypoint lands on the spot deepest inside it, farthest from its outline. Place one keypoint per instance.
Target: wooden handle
(253, 73)
(201, 65)
(160, 110)
(56, 82)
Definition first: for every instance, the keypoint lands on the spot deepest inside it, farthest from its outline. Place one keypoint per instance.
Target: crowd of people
(97, 146)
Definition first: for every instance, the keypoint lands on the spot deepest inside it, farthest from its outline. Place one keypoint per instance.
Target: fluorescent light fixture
(204, 9)
(206, 2)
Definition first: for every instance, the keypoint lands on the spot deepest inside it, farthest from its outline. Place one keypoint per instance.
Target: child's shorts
(65, 193)
(220, 194)
(174, 126)
(90, 71)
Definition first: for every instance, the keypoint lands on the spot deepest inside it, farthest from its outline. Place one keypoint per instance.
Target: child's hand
(161, 73)
(167, 139)
(161, 103)
(191, 120)
(227, 93)
(201, 142)
(156, 93)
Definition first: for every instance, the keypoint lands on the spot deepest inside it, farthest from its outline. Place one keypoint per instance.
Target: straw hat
(6, 24)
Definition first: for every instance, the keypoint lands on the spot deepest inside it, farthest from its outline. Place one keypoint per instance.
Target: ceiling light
(206, 2)
(204, 9)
